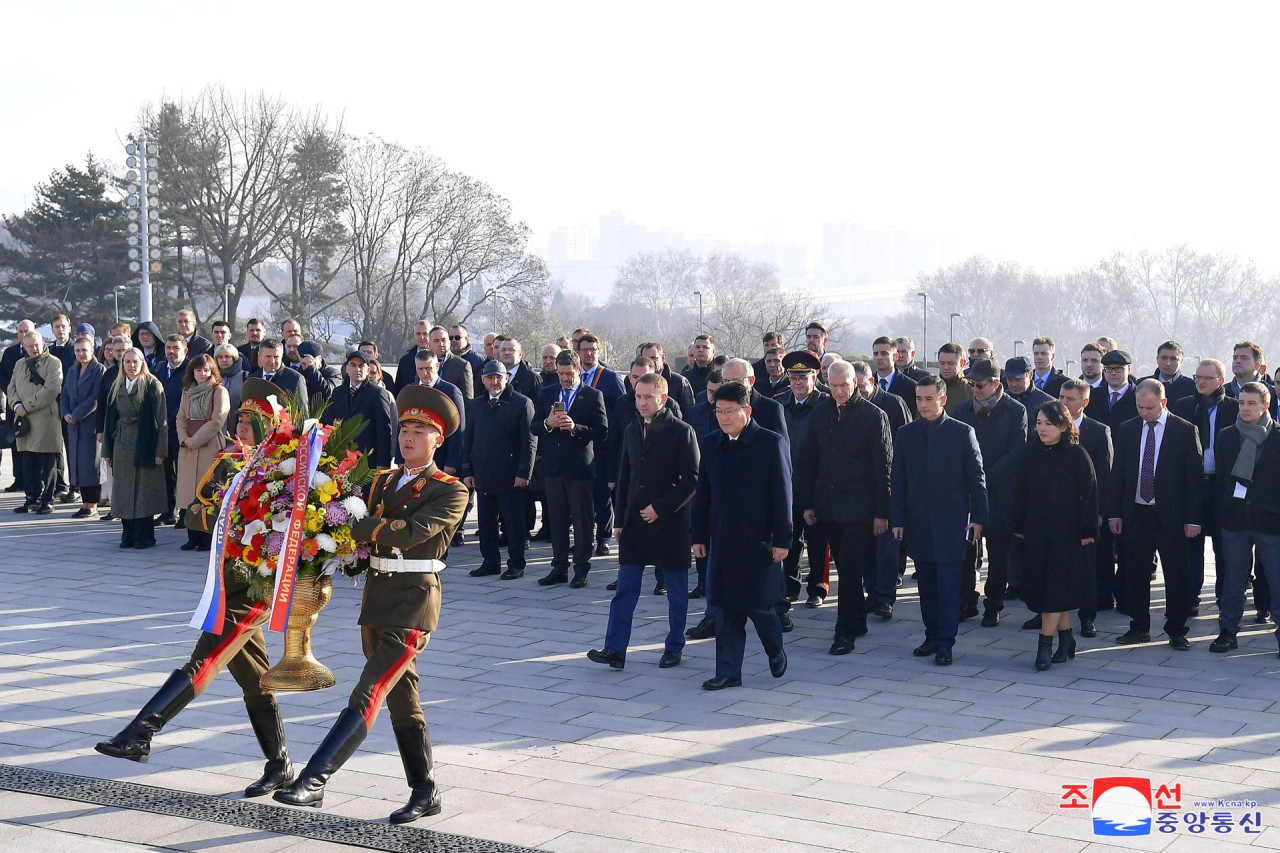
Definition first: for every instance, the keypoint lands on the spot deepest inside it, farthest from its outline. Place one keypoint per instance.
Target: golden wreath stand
(298, 670)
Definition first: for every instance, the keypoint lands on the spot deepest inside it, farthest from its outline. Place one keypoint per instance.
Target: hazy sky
(1050, 133)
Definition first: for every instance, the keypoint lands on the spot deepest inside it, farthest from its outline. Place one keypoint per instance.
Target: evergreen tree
(68, 252)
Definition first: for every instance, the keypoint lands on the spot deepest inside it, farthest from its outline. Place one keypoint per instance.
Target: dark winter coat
(661, 471)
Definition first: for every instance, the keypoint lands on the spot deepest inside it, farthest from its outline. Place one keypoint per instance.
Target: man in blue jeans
(657, 477)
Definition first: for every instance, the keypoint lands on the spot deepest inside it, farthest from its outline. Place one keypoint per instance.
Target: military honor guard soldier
(413, 513)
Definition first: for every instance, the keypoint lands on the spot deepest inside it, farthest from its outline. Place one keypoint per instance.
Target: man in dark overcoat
(799, 404)
(497, 463)
(938, 501)
(742, 522)
(359, 396)
(657, 476)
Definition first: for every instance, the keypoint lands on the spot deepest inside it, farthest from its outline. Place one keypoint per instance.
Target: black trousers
(1140, 540)
(999, 556)
(603, 497)
(570, 502)
(853, 547)
(814, 539)
(38, 470)
(19, 479)
(138, 531)
(509, 508)
(171, 479)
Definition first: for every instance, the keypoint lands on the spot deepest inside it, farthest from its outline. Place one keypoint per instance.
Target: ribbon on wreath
(212, 609)
(309, 451)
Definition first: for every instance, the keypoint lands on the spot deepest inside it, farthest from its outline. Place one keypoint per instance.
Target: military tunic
(413, 518)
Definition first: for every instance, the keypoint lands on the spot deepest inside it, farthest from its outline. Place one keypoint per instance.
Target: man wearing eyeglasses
(460, 345)
(1114, 402)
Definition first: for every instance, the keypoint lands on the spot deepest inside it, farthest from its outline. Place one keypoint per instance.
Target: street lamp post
(701, 327)
(226, 304)
(1070, 362)
(924, 336)
(115, 293)
(143, 176)
(954, 315)
(1017, 344)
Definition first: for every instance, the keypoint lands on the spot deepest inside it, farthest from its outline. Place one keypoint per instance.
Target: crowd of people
(739, 473)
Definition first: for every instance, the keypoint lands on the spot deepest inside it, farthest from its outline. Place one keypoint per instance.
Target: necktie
(884, 384)
(1147, 476)
(493, 402)
(353, 393)
(267, 376)
(840, 412)
(1202, 424)
(1115, 395)
(645, 431)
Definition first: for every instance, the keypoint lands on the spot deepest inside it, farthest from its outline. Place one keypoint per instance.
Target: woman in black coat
(1055, 514)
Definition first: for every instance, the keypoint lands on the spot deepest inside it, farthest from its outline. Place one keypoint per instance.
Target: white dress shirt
(1142, 449)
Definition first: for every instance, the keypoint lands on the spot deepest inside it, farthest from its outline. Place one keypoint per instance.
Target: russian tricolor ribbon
(308, 459)
(212, 609)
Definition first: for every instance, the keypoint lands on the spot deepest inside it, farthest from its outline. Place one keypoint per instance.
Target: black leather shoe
(778, 664)
(1224, 643)
(669, 659)
(815, 601)
(990, 618)
(883, 611)
(704, 630)
(602, 549)
(1087, 628)
(458, 541)
(578, 582)
(1130, 637)
(166, 519)
(698, 591)
(485, 571)
(1180, 643)
(942, 657)
(612, 586)
(721, 683)
(268, 728)
(45, 510)
(348, 732)
(613, 657)
(1195, 611)
(968, 611)
(1032, 624)
(1262, 618)
(24, 508)
(928, 647)
(415, 755)
(660, 589)
(188, 546)
(134, 743)
(512, 574)
(787, 624)
(841, 646)
(553, 578)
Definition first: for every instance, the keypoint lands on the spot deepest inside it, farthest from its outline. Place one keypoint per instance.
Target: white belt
(400, 564)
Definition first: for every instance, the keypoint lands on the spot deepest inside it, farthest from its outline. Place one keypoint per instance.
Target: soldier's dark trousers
(389, 674)
(240, 648)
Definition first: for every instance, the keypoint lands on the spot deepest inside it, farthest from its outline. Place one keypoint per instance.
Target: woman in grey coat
(78, 404)
(230, 368)
(136, 442)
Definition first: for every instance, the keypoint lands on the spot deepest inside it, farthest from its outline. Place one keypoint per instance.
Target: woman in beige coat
(202, 417)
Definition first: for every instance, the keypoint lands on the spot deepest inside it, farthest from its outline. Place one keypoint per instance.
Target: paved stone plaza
(536, 746)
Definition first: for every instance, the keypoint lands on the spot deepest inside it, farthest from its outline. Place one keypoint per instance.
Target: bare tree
(658, 288)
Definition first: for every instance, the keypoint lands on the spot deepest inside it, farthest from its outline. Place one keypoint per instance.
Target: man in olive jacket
(33, 395)
(657, 477)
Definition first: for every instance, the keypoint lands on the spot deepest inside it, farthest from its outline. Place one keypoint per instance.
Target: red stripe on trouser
(209, 666)
(384, 682)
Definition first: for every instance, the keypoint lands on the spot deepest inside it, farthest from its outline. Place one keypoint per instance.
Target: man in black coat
(460, 345)
(497, 463)
(568, 422)
(322, 379)
(256, 333)
(844, 476)
(1000, 423)
(742, 521)
(764, 411)
(885, 352)
(608, 383)
(1247, 366)
(1211, 411)
(1154, 504)
(799, 405)
(772, 340)
(905, 359)
(678, 388)
(1019, 385)
(1169, 358)
(197, 344)
(524, 379)
(1095, 438)
(776, 381)
(891, 554)
(1112, 402)
(271, 368)
(170, 371)
(704, 352)
(359, 396)
(1046, 378)
(657, 478)
(453, 369)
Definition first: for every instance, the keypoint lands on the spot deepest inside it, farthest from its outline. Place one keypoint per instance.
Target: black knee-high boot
(338, 745)
(415, 754)
(134, 743)
(268, 728)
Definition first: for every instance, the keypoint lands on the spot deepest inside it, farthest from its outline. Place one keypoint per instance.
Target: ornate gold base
(298, 670)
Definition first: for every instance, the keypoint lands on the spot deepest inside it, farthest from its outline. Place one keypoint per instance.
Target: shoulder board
(380, 477)
(443, 477)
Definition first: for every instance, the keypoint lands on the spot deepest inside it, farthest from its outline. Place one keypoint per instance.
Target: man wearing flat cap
(1114, 402)
(413, 511)
(1000, 423)
(1018, 383)
(321, 379)
(498, 450)
(361, 396)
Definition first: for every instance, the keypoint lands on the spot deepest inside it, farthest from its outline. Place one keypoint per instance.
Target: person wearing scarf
(202, 413)
(1250, 504)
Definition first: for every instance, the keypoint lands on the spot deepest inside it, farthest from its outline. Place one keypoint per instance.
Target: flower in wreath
(288, 466)
(327, 491)
(326, 544)
(252, 529)
(336, 515)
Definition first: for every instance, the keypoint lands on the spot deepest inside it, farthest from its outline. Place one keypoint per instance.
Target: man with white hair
(764, 411)
(12, 355)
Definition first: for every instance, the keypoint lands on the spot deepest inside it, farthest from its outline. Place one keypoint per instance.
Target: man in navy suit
(497, 464)
(426, 365)
(359, 396)
(1000, 423)
(1154, 504)
(1046, 378)
(884, 353)
(569, 420)
(1247, 366)
(742, 523)
(938, 501)
(271, 368)
(607, 382)
(1095, 438)
(1169, 372)
(1112, 402)
(1211, 411)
